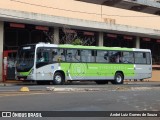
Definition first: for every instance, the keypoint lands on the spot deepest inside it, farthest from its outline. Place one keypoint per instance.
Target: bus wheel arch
(59, 77)
(118, 78)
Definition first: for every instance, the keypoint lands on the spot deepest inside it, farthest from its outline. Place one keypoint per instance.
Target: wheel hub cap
(58, 78)
(119, 78)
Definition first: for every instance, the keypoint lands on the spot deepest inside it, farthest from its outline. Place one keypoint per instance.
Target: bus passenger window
(140, 58)
(58, 55)
(40, 57)
(86, 56)
(69, 57)
(62, 54)
(114, 57)
(127, 57)
(118, 57)
(102, 56)
(73, 55)
(54, 55)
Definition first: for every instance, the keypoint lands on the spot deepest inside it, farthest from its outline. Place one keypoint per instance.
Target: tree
(77, 42)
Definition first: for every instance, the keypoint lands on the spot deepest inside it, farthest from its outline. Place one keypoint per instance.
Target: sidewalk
(155, 75)
(13, 82)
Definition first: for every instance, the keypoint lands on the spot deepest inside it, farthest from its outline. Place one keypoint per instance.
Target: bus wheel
(100, 82)
(118, 79)
(58, 79)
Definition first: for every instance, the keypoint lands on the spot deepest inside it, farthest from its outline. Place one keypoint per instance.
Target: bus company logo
(6, 114)
(79, 70)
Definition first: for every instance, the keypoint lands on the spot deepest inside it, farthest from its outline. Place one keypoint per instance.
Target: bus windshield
(25, 58)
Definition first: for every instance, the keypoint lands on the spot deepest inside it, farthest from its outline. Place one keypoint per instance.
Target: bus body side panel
(96, 71)
(143, 71)
(46, 72)
(143, 63)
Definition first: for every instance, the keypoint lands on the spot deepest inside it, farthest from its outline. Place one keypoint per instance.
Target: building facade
(97, 23)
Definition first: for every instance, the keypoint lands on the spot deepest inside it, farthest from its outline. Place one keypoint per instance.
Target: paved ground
(79, 86)
(83, 101)
(132, 96)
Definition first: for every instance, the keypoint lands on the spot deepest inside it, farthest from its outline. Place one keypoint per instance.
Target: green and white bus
(61, 63)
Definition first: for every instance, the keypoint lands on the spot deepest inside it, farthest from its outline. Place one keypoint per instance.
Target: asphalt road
(84, 85)
(128, 97)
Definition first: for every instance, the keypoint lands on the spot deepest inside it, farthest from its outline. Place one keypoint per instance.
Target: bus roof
(95, 47)
(89, 47)
(103, 48)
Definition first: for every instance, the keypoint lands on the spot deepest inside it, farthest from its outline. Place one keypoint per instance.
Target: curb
(4, 84)
(117, 88)
(14, 83)
(56, 89)
(73, 89)
(77, 88)
(8, 84)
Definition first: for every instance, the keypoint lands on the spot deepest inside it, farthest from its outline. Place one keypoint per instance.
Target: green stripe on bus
(95, 47)
(93, 69)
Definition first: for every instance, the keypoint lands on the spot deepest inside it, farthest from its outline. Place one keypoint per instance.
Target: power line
(49, 7)
(52, 7)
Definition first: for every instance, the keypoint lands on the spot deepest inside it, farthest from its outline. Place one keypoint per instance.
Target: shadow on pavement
(126, 83)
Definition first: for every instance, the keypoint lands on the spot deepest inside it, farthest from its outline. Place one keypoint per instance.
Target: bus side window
(40, 57)
(127, 57)
(69, 55)
(86, 56)
(140, 58)
(58, 55)
(77, 56)
(62, 54)
(46, 56)
(102, 56)
(54, 55)
(113, 56)
(118, 57)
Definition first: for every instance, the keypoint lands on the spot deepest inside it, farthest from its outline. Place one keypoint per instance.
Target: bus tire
(118, 78)
(58, 79)
(101, 82)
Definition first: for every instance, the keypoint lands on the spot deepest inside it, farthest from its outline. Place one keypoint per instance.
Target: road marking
(12, 94)
(20, 94)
